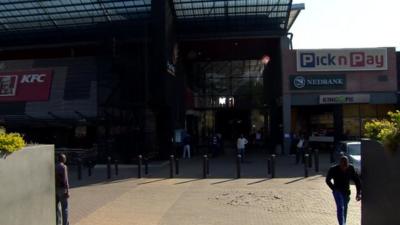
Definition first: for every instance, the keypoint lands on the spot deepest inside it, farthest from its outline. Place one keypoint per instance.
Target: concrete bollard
(208, 166)
(306, 157)
(140, 158)
(269, 166)
(204, 166)
(79, 161)
(146, 166)
(116, 167)
(273, 165)
(90, 168)
(238, 169)
(297, 156)
(332, 152)
(176, 166)
(316, 160)
(108, 167)
(171, 166)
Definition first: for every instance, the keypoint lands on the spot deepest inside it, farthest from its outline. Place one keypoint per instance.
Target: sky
(347, 24)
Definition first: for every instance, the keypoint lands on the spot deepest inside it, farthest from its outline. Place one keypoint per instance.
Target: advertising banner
(342, 59)
(29, 85)
(317, 82)
(344, 99)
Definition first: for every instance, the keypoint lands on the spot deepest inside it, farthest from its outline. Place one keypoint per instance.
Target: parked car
(351, 149)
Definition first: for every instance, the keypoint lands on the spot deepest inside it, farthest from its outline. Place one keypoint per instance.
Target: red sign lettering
(31, 85)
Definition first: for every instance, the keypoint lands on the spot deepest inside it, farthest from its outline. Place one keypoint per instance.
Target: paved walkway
(219, 200)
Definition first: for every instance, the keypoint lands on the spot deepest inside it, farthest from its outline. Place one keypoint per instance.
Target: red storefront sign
(29, 85)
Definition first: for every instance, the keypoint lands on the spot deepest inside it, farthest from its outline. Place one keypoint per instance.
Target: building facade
(127, 76)
(329, 94)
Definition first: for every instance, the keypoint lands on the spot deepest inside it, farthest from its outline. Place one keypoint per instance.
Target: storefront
(130, 98)
(330, 94)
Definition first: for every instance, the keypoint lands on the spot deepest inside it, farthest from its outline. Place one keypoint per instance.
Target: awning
(236, 15)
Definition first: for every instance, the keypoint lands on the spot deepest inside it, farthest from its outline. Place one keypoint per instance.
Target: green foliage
(10, 142)
(386, 131)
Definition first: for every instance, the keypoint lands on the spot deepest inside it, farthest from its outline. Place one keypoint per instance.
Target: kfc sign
(342, 59)
(32, 85)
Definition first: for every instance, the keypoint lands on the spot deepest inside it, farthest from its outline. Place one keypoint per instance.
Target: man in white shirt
(241, 145)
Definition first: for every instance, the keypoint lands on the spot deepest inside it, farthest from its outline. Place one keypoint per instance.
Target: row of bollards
(108, 167)
(310, 159)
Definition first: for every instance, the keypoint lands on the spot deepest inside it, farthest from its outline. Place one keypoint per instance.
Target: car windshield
(354, 149)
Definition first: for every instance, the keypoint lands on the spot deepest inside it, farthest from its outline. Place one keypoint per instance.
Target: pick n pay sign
(342, 59)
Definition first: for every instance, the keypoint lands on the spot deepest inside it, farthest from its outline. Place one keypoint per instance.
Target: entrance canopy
(236, 15)
(30, 19)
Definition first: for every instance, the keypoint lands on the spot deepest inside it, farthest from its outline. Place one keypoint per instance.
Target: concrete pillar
(287, 123)
(286, 99)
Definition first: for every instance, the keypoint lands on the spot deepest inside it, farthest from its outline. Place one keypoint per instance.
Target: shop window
(322, 124)
(367, 110)
(351, 126)
(350, 110)
(356, 115)
(384, 109)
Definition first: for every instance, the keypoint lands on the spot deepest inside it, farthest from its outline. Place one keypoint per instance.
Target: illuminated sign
(342, 59)
(344, 99)
(33, 85)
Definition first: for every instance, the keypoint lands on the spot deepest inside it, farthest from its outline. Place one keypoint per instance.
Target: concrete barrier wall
(27, 192)
(381, 184)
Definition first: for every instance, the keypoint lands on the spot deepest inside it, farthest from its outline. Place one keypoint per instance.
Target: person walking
(300, 149)
(241, 145)
(341, 175)
(186, 146)
(62, 190)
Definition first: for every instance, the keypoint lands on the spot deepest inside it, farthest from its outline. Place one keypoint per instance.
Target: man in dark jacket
(62, 190)
(341, 175)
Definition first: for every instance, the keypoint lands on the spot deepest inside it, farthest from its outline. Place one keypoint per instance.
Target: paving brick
(219, 200)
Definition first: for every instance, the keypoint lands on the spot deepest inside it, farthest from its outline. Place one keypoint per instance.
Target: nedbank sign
(342, 59)
(318, 82)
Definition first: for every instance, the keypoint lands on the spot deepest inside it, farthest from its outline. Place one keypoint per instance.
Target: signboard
(344, 99)
(317, 82)
(342, 59)
(30, 85)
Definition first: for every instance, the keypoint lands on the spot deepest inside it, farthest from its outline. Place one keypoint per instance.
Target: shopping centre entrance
(234, 88)
(232, 123)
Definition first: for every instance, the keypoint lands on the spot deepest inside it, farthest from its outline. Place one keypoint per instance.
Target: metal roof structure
(56, 19)
(265, 11)
(194, 17)
(21, 19)
(21, 15)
